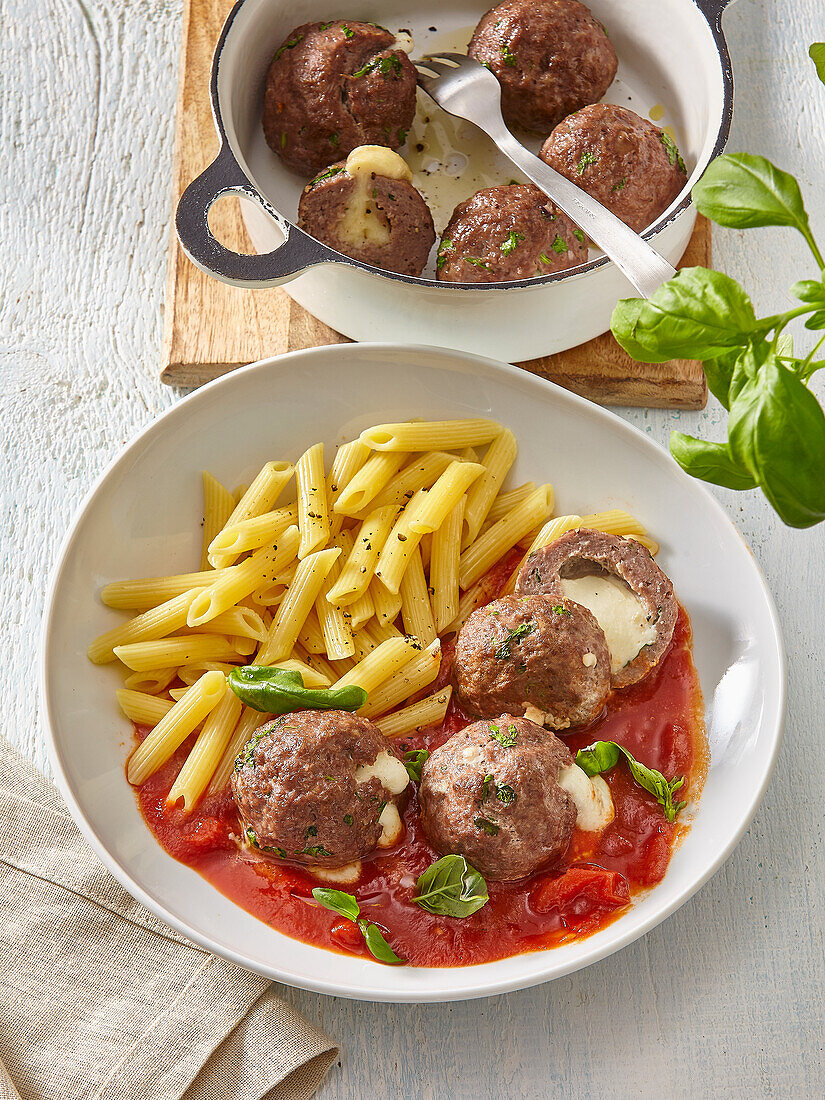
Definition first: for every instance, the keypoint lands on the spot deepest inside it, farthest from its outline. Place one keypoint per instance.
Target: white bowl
(143, 518)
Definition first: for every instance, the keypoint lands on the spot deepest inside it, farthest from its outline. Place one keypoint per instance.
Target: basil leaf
(719, 373)
(603, 755)
(450, 887)
(817, 55)
(343, 904)
(377, 945)
(776, 430)
(709, 462)
(816, 320)
(414, 760)
(698, 314)
(741, 191)
(810, 291)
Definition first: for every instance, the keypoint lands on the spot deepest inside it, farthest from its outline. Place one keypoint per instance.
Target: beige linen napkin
(99, 1000)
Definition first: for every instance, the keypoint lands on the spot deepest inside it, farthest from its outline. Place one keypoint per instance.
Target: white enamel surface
(519, 323)
(143, 518)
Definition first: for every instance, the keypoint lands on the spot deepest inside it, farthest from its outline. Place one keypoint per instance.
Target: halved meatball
(318, 787)
(334, 86)
(523, 652)
(508, 233)
(622, 160)
(621, 584)
(491, 794)
(379, 219)
(551, 57)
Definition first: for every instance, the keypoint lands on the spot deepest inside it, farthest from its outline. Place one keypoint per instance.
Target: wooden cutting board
(211, 328)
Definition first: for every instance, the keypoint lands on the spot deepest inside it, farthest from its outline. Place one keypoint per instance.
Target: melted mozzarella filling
(594, 806)
(345, 875)
(392, 828)
(386, 768)
(360, 222)
(618, 611)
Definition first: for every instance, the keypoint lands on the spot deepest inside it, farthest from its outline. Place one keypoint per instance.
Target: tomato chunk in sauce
(658, 720)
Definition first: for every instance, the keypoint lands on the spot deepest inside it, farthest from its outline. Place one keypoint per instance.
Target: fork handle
(634, 257)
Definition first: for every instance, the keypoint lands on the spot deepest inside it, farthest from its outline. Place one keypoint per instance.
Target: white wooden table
(726, 998)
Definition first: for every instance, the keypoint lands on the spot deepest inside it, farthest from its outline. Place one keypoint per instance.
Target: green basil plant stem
(281, 691)
(776, 426)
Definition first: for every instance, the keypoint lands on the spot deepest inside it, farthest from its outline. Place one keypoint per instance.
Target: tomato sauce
(658, 720)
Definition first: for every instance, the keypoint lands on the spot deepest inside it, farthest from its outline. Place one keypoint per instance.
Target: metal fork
(465, 88)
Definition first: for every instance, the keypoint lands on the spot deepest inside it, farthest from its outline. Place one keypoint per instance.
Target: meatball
(551, 57)
(619, 581)
(334, 86)
(317, 787)
(366, 207)
(508, 233)
(491, 794)
(622, 160)
(530, 652)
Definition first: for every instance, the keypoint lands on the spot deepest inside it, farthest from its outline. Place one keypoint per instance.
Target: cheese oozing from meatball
(594, 805)
(386, 768)
(344, 876)
(618, 611)
(360, 223)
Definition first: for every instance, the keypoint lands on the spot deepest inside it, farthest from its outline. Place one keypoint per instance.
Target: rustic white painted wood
(726, 998)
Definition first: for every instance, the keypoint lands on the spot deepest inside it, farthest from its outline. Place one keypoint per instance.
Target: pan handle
(712, 10)
(223, 176)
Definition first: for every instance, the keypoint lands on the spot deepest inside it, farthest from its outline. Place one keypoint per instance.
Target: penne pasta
(445, 494)
(613, 522)
(359, 567)
(503, 536)
(311, 636)
(312, 677)
(505, 501)
(240, 492)
(313, 518)
(250, 721)
(349, 458)
(421, 473)
(552, 530)
(251, 534)
(318, 663)
(152, 682)
(500, 456)
(380, 664)
(361, 611)
(264, 491)
(237, 622)
(200, 764)
(143, 709)
(416, 609)
(409, 679)
(143, 656)
(178, 693)
(155, 623)
(190, 674)
(379, 632)
(335, 625)
(401, 542)
(446, 551)
(367, 483)
(239, 581)
(430, 435)
(292, 613)
(148, 592)
(649, 544)
(387, 604)
(364, 644)
(429, 711)
(218, 505)
(175, 726)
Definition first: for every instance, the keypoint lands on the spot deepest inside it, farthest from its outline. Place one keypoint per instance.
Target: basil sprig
(345, 905)
(776, 426)
(450, 887)
(282, 691)
(414, 761)
(601, 756)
